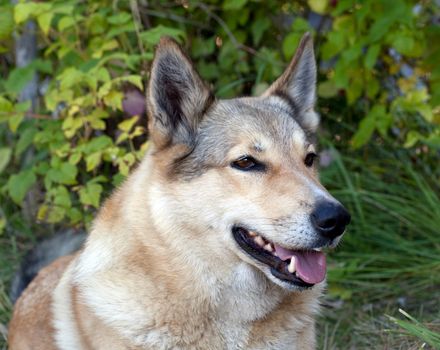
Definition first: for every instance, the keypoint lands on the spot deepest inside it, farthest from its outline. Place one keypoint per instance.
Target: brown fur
(160, 269)
(32, 316)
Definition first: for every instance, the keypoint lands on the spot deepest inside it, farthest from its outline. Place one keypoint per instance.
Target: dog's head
(241, 174)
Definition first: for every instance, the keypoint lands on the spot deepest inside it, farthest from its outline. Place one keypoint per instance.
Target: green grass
(417, 329)
(389, 260)
(8, 262)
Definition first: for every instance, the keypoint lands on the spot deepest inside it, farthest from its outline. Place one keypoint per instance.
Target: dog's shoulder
(31, 324)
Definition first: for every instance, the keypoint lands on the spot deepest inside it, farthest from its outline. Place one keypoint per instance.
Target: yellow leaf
(319, 6)
(44, 21)
(126, 125)
(114, 99)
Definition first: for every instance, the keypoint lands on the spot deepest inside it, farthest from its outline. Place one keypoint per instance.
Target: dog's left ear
(297, 85)
(177, 97)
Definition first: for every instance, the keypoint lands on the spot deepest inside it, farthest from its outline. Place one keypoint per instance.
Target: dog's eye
(310, 159)
(247, 163)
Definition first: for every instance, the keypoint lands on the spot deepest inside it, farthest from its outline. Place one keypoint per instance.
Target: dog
(214, 241)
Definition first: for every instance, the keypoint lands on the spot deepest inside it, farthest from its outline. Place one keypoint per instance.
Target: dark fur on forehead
(177, 96)
(226, 124)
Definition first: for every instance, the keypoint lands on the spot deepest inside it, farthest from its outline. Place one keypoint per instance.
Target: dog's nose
(330, 219)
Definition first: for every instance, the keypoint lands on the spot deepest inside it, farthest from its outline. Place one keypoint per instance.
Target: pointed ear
(177, 97)
(297, 84)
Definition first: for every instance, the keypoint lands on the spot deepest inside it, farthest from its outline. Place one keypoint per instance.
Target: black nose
(330, 219)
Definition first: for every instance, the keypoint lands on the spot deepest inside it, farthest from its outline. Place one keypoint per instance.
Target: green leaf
(354, 90)
(327, 89)
(2, 224)
(125, 28)
(426, 111)
(319, 6)
(234, 4)
(412, 138)
(64, 173)
(75, 158)
(15, 121)
(152, 36)
(6, 22)
(114, 99)
(65, 22)
(372, 87)
(65, 9)
(74, 215)
(23, 10)
(352, 53)
(18, 79)
(120, 18)
(56, 214)
(93, 160)
(258, 28)
(5, 156)
(23, 106)
(290, 43)
(371, 56)
(383, 123)
(91, 194)
(335, 44)
(19, 184)
(26, 139)
(433, 141)
(44, 66)
(62, 197)
(363, 134)
(404, 44)
(341, 78)
(69, 172)
(71, 76)
(126, 125)
(71, 125)
(44, 20)
(202, 47)
(380, 28)
(99, 143)
(6, 109)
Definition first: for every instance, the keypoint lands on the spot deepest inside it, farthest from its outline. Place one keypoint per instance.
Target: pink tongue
(310, 265)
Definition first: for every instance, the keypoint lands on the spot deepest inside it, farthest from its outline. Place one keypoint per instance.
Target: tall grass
(390, 256)
(417, 329)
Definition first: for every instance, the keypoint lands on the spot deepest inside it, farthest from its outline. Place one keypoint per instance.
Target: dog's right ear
(177, 97)
(298, 84)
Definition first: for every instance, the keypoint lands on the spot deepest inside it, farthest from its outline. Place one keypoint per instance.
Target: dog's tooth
(291, 268)
(268, 247)
(252, 234)
(259, 240)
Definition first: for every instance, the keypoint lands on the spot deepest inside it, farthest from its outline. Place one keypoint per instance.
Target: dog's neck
(220, 296)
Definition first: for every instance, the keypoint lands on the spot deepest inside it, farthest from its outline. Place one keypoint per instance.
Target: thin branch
(225, 27)
(173, 17)
(137, 23)
(232, 37)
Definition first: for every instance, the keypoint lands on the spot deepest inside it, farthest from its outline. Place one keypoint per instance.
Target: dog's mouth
(302, 268)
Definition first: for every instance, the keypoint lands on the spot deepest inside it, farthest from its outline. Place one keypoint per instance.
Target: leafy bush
(93, 60)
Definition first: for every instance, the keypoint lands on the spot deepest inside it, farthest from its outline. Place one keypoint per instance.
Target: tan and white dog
(214, 241)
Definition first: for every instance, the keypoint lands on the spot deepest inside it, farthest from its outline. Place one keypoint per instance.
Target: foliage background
(72, 124)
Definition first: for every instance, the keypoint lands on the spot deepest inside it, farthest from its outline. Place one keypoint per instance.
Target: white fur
(66, 331)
